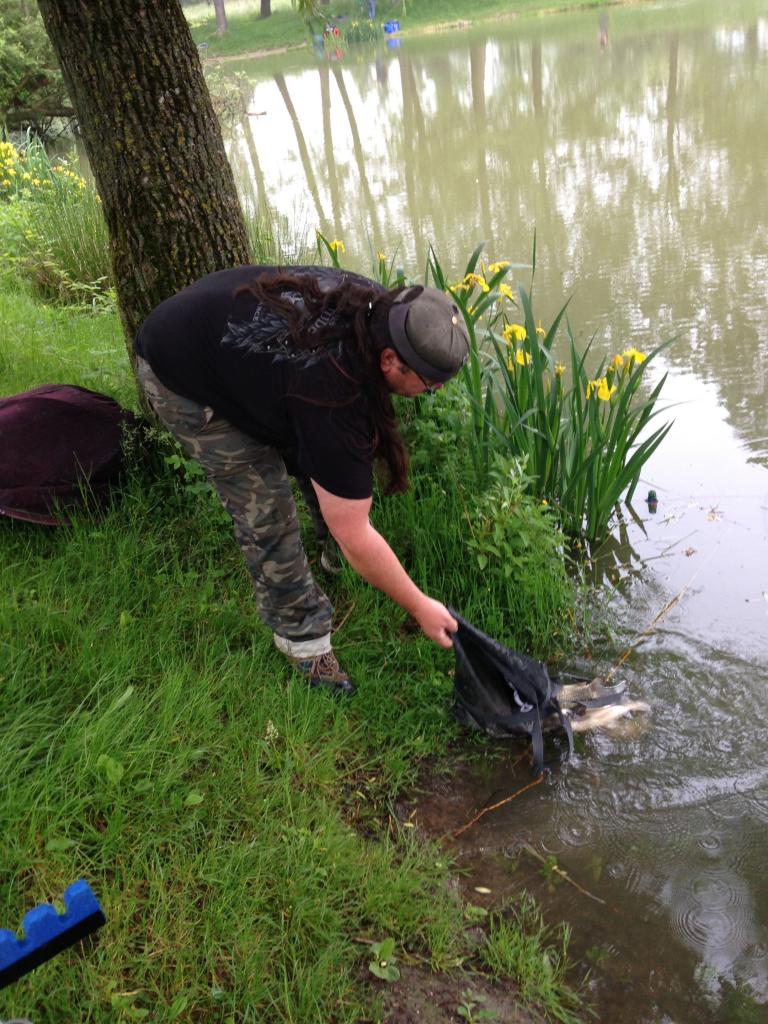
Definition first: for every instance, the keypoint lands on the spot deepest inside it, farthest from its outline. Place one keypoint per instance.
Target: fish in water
(594, 705)
(584, 718)
(593, 691)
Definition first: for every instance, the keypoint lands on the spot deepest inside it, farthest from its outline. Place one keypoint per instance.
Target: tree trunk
(221, 17)
(266, 8)
(154, 146)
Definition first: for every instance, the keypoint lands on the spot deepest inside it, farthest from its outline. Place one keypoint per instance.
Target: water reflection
(328, 150)
(357, 147)
(306, 162)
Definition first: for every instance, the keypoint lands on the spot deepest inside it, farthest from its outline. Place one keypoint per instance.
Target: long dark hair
(350, 317)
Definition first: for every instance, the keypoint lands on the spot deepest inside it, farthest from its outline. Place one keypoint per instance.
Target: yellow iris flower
(632, 355)
(476, 279)
(600, 386)
(337, 246)
(506, 291)
(494, 268)
(514, 332)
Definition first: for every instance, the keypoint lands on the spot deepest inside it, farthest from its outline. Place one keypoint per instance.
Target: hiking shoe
(324, 670)
(331, 558)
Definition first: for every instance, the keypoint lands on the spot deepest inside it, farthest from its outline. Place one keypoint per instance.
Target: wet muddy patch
(422, 997)
(489, 818)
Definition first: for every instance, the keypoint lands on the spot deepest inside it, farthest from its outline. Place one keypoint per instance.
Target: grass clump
(511, 577)
(156, 747)
(53, 233)
(522, 946)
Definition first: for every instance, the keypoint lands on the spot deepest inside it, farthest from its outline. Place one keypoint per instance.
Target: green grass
(521, 945)
(230, 821)
(52, 344)
(248, 32)
(159, 750)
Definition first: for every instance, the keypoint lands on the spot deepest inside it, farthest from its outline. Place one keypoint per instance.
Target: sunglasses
(430, 389)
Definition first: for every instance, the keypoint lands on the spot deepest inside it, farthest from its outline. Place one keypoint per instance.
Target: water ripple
(711, 912)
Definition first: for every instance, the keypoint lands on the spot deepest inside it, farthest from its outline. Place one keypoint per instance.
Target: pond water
(633, 141)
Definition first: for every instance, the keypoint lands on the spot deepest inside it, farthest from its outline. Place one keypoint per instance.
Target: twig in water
(494, 807)
(559, 871)
(649, 629)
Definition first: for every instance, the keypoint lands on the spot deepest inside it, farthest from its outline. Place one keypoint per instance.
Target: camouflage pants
(253, 484)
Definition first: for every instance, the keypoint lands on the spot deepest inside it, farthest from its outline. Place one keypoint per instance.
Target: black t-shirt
(314, 414)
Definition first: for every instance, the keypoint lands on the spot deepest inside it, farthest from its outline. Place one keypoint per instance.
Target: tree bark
(154, 146)
(221, 17)
(266, 8)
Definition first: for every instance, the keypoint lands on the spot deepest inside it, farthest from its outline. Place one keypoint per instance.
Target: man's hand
(437, 622)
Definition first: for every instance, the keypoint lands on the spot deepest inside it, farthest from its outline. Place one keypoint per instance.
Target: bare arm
(369, 554)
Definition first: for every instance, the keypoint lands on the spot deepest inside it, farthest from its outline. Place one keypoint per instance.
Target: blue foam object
(47, 932)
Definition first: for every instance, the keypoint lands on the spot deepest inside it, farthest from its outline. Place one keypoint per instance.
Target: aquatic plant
(584, 438)
(478, 295)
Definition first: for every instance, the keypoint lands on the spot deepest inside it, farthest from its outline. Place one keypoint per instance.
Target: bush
(495, 555)
(31, 86)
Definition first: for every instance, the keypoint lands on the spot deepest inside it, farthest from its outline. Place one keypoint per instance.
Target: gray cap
(428, 333)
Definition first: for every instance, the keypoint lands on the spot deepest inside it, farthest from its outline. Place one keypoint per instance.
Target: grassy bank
(248, 33)
(234, 825)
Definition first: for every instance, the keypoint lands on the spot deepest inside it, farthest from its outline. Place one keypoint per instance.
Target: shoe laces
(325, 664)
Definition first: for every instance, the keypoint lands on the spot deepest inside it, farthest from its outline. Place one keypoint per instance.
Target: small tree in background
(31, 87)
(221, 17)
